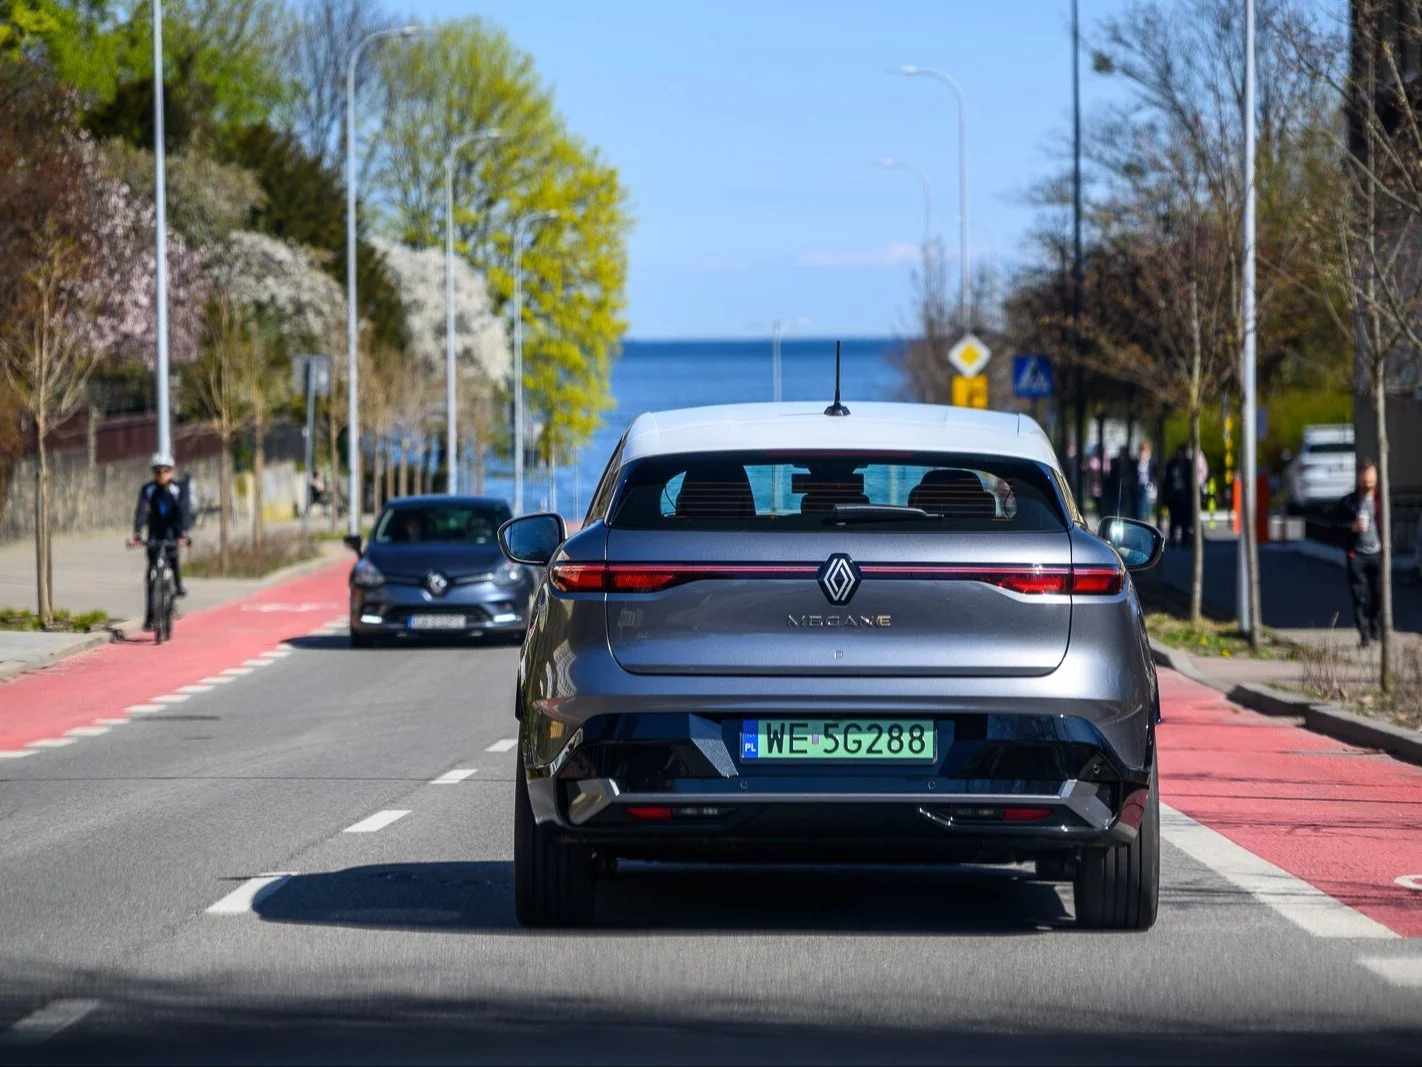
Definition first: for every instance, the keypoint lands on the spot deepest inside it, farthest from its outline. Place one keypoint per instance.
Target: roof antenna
(836, 408)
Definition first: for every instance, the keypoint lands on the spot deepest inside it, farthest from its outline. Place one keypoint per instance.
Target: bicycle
(161, 589)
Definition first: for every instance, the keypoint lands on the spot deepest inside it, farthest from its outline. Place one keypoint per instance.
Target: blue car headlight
(367, 575)
(508, 574)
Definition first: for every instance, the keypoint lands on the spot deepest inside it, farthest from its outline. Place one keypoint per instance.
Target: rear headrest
(720, 491)
(954, 494)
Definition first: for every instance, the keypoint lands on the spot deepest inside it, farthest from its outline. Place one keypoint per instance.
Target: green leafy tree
(467, 76)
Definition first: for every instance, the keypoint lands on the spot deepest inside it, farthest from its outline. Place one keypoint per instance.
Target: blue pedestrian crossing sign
(1032, 376)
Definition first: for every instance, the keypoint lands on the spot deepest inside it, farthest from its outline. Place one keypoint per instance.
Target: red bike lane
(75, 693)
(1346, 820)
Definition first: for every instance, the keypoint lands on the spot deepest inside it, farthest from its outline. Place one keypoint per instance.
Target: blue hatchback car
(433, 568)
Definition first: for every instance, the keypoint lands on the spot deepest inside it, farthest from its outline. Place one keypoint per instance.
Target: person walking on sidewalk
(160, 509)
(1358, 519)
(1175, 488)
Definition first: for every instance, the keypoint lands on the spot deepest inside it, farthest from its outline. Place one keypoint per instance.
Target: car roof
(442, 498)
(870, 427)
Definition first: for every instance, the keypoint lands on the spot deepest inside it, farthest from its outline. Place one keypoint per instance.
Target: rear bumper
(670, 786)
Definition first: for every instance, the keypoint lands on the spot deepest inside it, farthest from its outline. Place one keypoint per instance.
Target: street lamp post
(890, 163)
(962, 179)
(353, 365)
(520, 227)
(451, 412)
(160, 203)
(1247, 559)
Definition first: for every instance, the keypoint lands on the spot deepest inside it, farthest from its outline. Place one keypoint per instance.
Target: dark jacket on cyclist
(160, 509)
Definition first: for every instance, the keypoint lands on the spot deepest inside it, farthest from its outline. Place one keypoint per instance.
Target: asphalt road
(398, 943)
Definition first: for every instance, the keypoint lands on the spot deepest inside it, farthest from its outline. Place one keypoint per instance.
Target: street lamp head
(411, 31)
(910, 69)
(888, 162)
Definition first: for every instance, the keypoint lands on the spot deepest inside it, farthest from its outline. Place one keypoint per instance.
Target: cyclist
(160, 509)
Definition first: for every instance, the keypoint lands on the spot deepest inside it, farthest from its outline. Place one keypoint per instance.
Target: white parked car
(1324, 469)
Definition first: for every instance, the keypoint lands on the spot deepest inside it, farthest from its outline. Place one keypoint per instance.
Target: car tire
(554, 883)
(1119, 888)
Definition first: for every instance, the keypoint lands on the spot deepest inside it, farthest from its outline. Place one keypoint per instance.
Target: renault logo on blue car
(839, 578)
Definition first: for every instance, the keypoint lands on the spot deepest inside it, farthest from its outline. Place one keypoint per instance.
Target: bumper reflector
(1024, 814)
(649, 812)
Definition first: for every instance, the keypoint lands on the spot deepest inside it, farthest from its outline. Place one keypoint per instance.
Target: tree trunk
(224, 504)
(91, 436)
(259, 466)
(404, 482)
(420, 472)
(389, 469)
(479, 466)
(334, 443)
(377, 472)
(45, 605)
(1197, 530)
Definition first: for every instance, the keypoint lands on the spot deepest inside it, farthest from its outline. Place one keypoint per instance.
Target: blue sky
(747, 133)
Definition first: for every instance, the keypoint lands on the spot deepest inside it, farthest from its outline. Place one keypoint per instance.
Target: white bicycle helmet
(161, 459)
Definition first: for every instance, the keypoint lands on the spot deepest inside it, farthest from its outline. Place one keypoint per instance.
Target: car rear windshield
(1328, 447)
(444, 523)
(873, 491)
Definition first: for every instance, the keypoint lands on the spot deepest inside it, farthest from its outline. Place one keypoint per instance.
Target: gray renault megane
(803, 634)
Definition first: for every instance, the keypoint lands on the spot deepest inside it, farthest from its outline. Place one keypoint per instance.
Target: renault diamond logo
(436, 583)
(839, 578)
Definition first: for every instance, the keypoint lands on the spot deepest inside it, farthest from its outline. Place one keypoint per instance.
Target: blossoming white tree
(481, 349)
(274, 299)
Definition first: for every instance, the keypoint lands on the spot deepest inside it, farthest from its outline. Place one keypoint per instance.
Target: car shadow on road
(477, 897)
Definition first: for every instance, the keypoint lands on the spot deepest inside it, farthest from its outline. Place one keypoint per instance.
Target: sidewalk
(98, 571)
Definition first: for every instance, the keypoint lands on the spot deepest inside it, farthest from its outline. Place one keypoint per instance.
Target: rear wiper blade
(847, 513)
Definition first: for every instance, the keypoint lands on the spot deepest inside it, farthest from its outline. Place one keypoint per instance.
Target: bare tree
(221, 393)
(327, 32)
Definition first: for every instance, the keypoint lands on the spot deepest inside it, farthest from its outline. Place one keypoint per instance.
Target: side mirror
(352, 541)
(532, 539)
(1139, 544)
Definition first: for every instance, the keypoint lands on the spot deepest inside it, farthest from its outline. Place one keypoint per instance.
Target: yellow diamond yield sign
(969, 356)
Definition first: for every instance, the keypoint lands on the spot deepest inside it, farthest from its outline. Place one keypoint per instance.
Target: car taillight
(1035, 580)
(1097, 581)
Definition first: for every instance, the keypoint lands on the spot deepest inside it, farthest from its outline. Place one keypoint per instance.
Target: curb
(122, 630)
(1327, 719)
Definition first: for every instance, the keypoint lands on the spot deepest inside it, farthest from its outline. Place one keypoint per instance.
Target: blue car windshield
(440, 523)
(779, 491)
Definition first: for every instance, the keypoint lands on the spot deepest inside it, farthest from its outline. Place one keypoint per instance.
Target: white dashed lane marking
(256, 663)
(171, 698)
(242, 899)
(113, 722)
(216, 679)
(143, 709)
(453, 777)
(237, 671)
(502, 746)
(86, 731)
(52, 742)
(1405, 971)
(195, 688)
(1293, 898)
(41, 1025)
(13, 753)
(379, 821)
